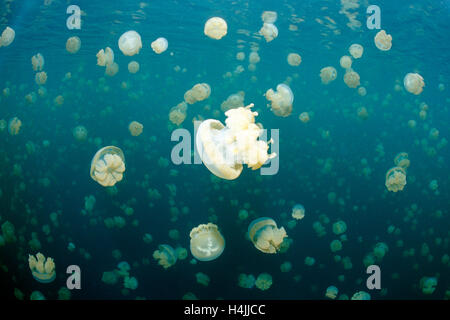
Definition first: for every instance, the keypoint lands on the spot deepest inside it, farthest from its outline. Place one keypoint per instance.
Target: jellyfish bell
(7, 37)
(345, 62)
(207, 243)
(130, 43)
(294, 59)
(356, 50)
(160, 45)
(265, 235)
(328, 74)
(105, 57)
(298, 212)
(42, 269)
(401, 160)
(414, 83)
(281, 99)
(165, 255)
(108, 166)
(269, 31)
(73, 45)
(133, 67)
(215, 28)
(383, 41)
(395, 179)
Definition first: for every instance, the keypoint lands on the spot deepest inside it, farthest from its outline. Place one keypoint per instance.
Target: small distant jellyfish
(395, 179)
(331, 292)
(135, 128)
(281, 100)
(401, 160)
(328, 74)
(294, 59)
(339, 227)
(108, 166)
(362, 91)
(346, 62)
(286, 266)
(160, 45)
(41, 78)
(269, 31)
(105, 57)
(14, 126)
(254, 57)
(130, 283)
(202, 278)
(356, 50)
(73, 44)
(433, 185)
(38, 62)
(166, 256)
(246, 281)
(240, 56)
(269, 16)
(265, 235)
(263, 281)
(130, 43)
(304, 117)
(428, 284)
(7, 37)
(112, 69)
(414, 83)
(80, 133)
(178, 113)
(335, 245)
(43, 269)
(361, 295)
(298, 212)
(207, 243)
(215, 28)
(351, 79)
(310, 261)
(133, 67)
(383, 41)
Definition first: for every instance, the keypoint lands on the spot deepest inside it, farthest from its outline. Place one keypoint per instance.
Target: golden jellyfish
(362, 91)
(269, 31)
(401, 160)
(80, 133)
(413, 83)
(395, 179)
(112, 69)
(37, 62)
(265, 235)
(240, 56)
(281, 99)
(207, 243)
(105, 57)
(339, 227)
(199, 92)
(351, 79)
(356, 50)
(133, 67)
(269, 16)
(73, 44)
(224, 149)
(178, 113)
(428, 284)
(254, 57)
(294, 59)
(215, 28)
(130, 43)
(7, 37)
(41, 78)
(14, 126)
(331, 292)
(58, 101)
(160, 45)
(166, 256)
(135, 128)
(328, 74)
(345, 62)
(383, 41)
(42, 269)
(234, 101)
(304, 117)
(298, 212)
(108, 166)
(264, 281)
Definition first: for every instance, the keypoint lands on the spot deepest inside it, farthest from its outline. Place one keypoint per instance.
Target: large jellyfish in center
(224, 149)
(207, 243)
(265, 235)
(130, 43)
(108, 166)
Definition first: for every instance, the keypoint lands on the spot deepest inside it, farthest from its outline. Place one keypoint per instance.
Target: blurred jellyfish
(199, 92)
(215, 28)
(331, 292)
(328, 74)
(105, 57)
(265, 235)
(3, 125)
(361, 295)
(14, 126)
(269, 31)
(202, 278)
(130, 283)
(41, 78)
(310, 261)
(298, 212)
(356, 50)
(224, 150)
(304, 117)
(108, 166)
(294, 59)
(351, 78)
(80, 133)
(160, 45)
(395, 179)
(346, 62)
(433, 185)
(37, 295)
(43, 269)
(413, 83)
(246, 281)
(207, 243)
(181, 253)
(240, 56)
(112, 69)
(264, 281)
(130, 43)
(38, 62)
(281, 100)
(286, 266)
(233, 101)
(383, 41)
(380, 250)
(269, 16)
(339, 227)
(166, 256)
(254, 57)
(335, 245)
(73, 44)
(133, 67)
(428, 284)
(7, 37)
(135, 128)
(178, 113)
(401, 160)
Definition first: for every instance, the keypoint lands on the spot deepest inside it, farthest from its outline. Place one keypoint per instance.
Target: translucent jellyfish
(130, 283)
(160, 45)
(346, 62)
(240, 56)
(80, 133)
(7, 37)
(3, 125)
(166, 256)
(383, 41)
(112, 69)
(269, 31)
(105, 57)
(135, 128)
(328, 74)
(428, 284)
(304, 117)
(14, 126)
(414, 83)
(265, 235)
(339, 227)
(356, 50)
(215, 28)
(269, 16)
(133, 67)
(246, 281)
(361, 295)
(207, 243)
(380, 250)
(294, 59)
(41, 78)
(224, 149)
(331, 292)
(264, 281)
(38, 62)
(286, 266)
(254, 57)
(234, 101)
(202, 278)
(335, 245)
(73, 44)
(298, 212)
(351, 79)
(130, 43)
(181, 253)
(43, 269)
(310, 261)
(108, 166)
(37, 295)
(281, 100)
(178, 113)
(395, 179)
(401, 160)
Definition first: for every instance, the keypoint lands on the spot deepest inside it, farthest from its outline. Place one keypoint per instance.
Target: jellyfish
(428, 284)
(105, 57)
(207, 243)
(281, 100)
(234, 101)
(395, 179)
(199, 92)
(160, 45)
(246, 281)
(294, 59)
(351, 78)
(130, 43)
(401, 160)
(38, 62)
(202, 278)
(224, 149)
(335, 245)
(286, 266)
(254, 57)
(263, 281)
(42, 269)
(383, 41)
(130, 283)
(14, 126)
(41, 78)
(310, 261)
(7, 37)
(328, 74)
(339, 227)
(135, 128)
(380, 250)
(361, 295)
(133, 67)
(414, 83)
(108, 166)
(215, 28)
(240, 56)
(37, 295)
(269, 31)
(112, 69)
(346, 62)
(331, 292)
(181, 253)
(3, 125)
(362, 91)
(356, 50)
(265, 235)
(165, 256)
(178, 113)
(298, 212)
(73, 44)
(80, 133)
(304, 117)
(269, 16)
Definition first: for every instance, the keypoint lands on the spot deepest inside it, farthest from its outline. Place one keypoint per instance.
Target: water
(337, 153)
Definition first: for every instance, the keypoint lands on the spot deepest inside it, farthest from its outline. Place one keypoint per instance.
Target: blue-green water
(334, 165)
